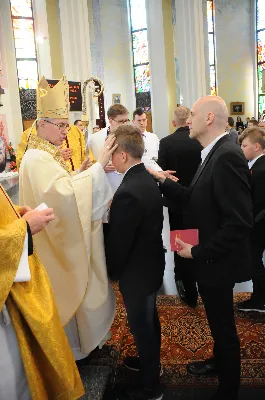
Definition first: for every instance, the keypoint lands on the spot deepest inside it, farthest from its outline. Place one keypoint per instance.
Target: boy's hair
(255, 135)
(130, 140)
(231, 121)
(254, 122)
(139, 111)
(115, 110)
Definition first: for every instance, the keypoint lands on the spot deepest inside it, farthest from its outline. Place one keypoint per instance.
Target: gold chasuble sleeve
(47, 357)
(21, 148)
(71, 247)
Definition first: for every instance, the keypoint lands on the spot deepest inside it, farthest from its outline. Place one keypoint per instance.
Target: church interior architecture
(132, 199)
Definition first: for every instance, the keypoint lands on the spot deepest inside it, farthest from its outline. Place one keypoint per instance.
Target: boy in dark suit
(135, 256)
(218, 204)
(253, 145)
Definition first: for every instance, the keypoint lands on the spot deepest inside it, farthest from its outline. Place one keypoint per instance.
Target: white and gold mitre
(53, 102)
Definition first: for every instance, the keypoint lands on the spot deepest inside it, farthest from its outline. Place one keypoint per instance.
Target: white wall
(235, 50)
(111, 50)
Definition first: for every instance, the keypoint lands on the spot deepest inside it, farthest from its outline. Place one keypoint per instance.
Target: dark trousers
(189, 283)
(145, 326)
(218, 303)
(257, 246)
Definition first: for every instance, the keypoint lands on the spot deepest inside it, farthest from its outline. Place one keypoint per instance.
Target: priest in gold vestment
(73, 148)
(36, 362)
(71, 247)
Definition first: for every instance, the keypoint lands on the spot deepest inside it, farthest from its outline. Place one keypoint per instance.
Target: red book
(190, 236)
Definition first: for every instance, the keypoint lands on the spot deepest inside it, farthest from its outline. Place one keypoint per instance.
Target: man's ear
(173, 123)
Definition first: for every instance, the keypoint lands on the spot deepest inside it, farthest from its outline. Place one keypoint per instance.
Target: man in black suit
(135, 256)
(253, 145)
(218, 204)
(177, 152)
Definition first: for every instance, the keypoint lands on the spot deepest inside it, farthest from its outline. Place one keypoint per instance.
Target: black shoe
(183, 296)
(141, 394)
(251, 305)
(206, 367)
(133, 364)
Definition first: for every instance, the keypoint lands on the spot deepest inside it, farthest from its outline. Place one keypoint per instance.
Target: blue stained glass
(138, 14)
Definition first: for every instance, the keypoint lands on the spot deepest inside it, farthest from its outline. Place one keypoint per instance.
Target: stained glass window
(138, 15)
(140, 46)
(211, 43)
(24, 39)
(260, 5)
(142, 78)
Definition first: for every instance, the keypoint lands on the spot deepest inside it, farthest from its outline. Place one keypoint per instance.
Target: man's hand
(37, 220)
(169, 174)
(108, 149)
(109, 168)
(23, 210)
(66, 153)
(157, 175)
(186, 249)
(85, 165)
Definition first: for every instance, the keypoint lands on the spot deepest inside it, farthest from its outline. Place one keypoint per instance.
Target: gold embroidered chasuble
(75, 141)
(71, 247)
(47, 358)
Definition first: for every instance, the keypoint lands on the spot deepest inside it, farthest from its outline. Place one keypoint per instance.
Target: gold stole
(47, 357)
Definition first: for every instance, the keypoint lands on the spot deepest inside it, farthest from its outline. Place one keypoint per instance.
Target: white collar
(252, 162)
(207, 149)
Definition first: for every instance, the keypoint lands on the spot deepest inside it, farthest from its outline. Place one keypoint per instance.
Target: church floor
(186, 337)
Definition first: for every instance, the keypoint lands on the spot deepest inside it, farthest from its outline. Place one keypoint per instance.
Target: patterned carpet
(186, 337)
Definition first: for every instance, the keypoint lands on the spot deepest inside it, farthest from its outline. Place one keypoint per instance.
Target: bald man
(218, 204)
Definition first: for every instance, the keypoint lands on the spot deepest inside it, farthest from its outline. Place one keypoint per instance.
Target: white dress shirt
(151, 144)
(206, 150)
(252, 162)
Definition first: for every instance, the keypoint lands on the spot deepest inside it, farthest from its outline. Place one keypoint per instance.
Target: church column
(191, 25)
(10, 112)
(75, 40)
(156, 46)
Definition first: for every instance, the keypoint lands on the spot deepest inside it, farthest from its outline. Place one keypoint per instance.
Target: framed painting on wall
(116, 98)
(237, 108)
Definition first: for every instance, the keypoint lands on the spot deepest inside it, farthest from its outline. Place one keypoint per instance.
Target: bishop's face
(54, 130)
(2, 155)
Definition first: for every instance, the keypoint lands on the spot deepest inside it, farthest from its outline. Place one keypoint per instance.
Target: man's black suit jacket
(178, 152)
(258, 196)
(218, 203)
(134, 247)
